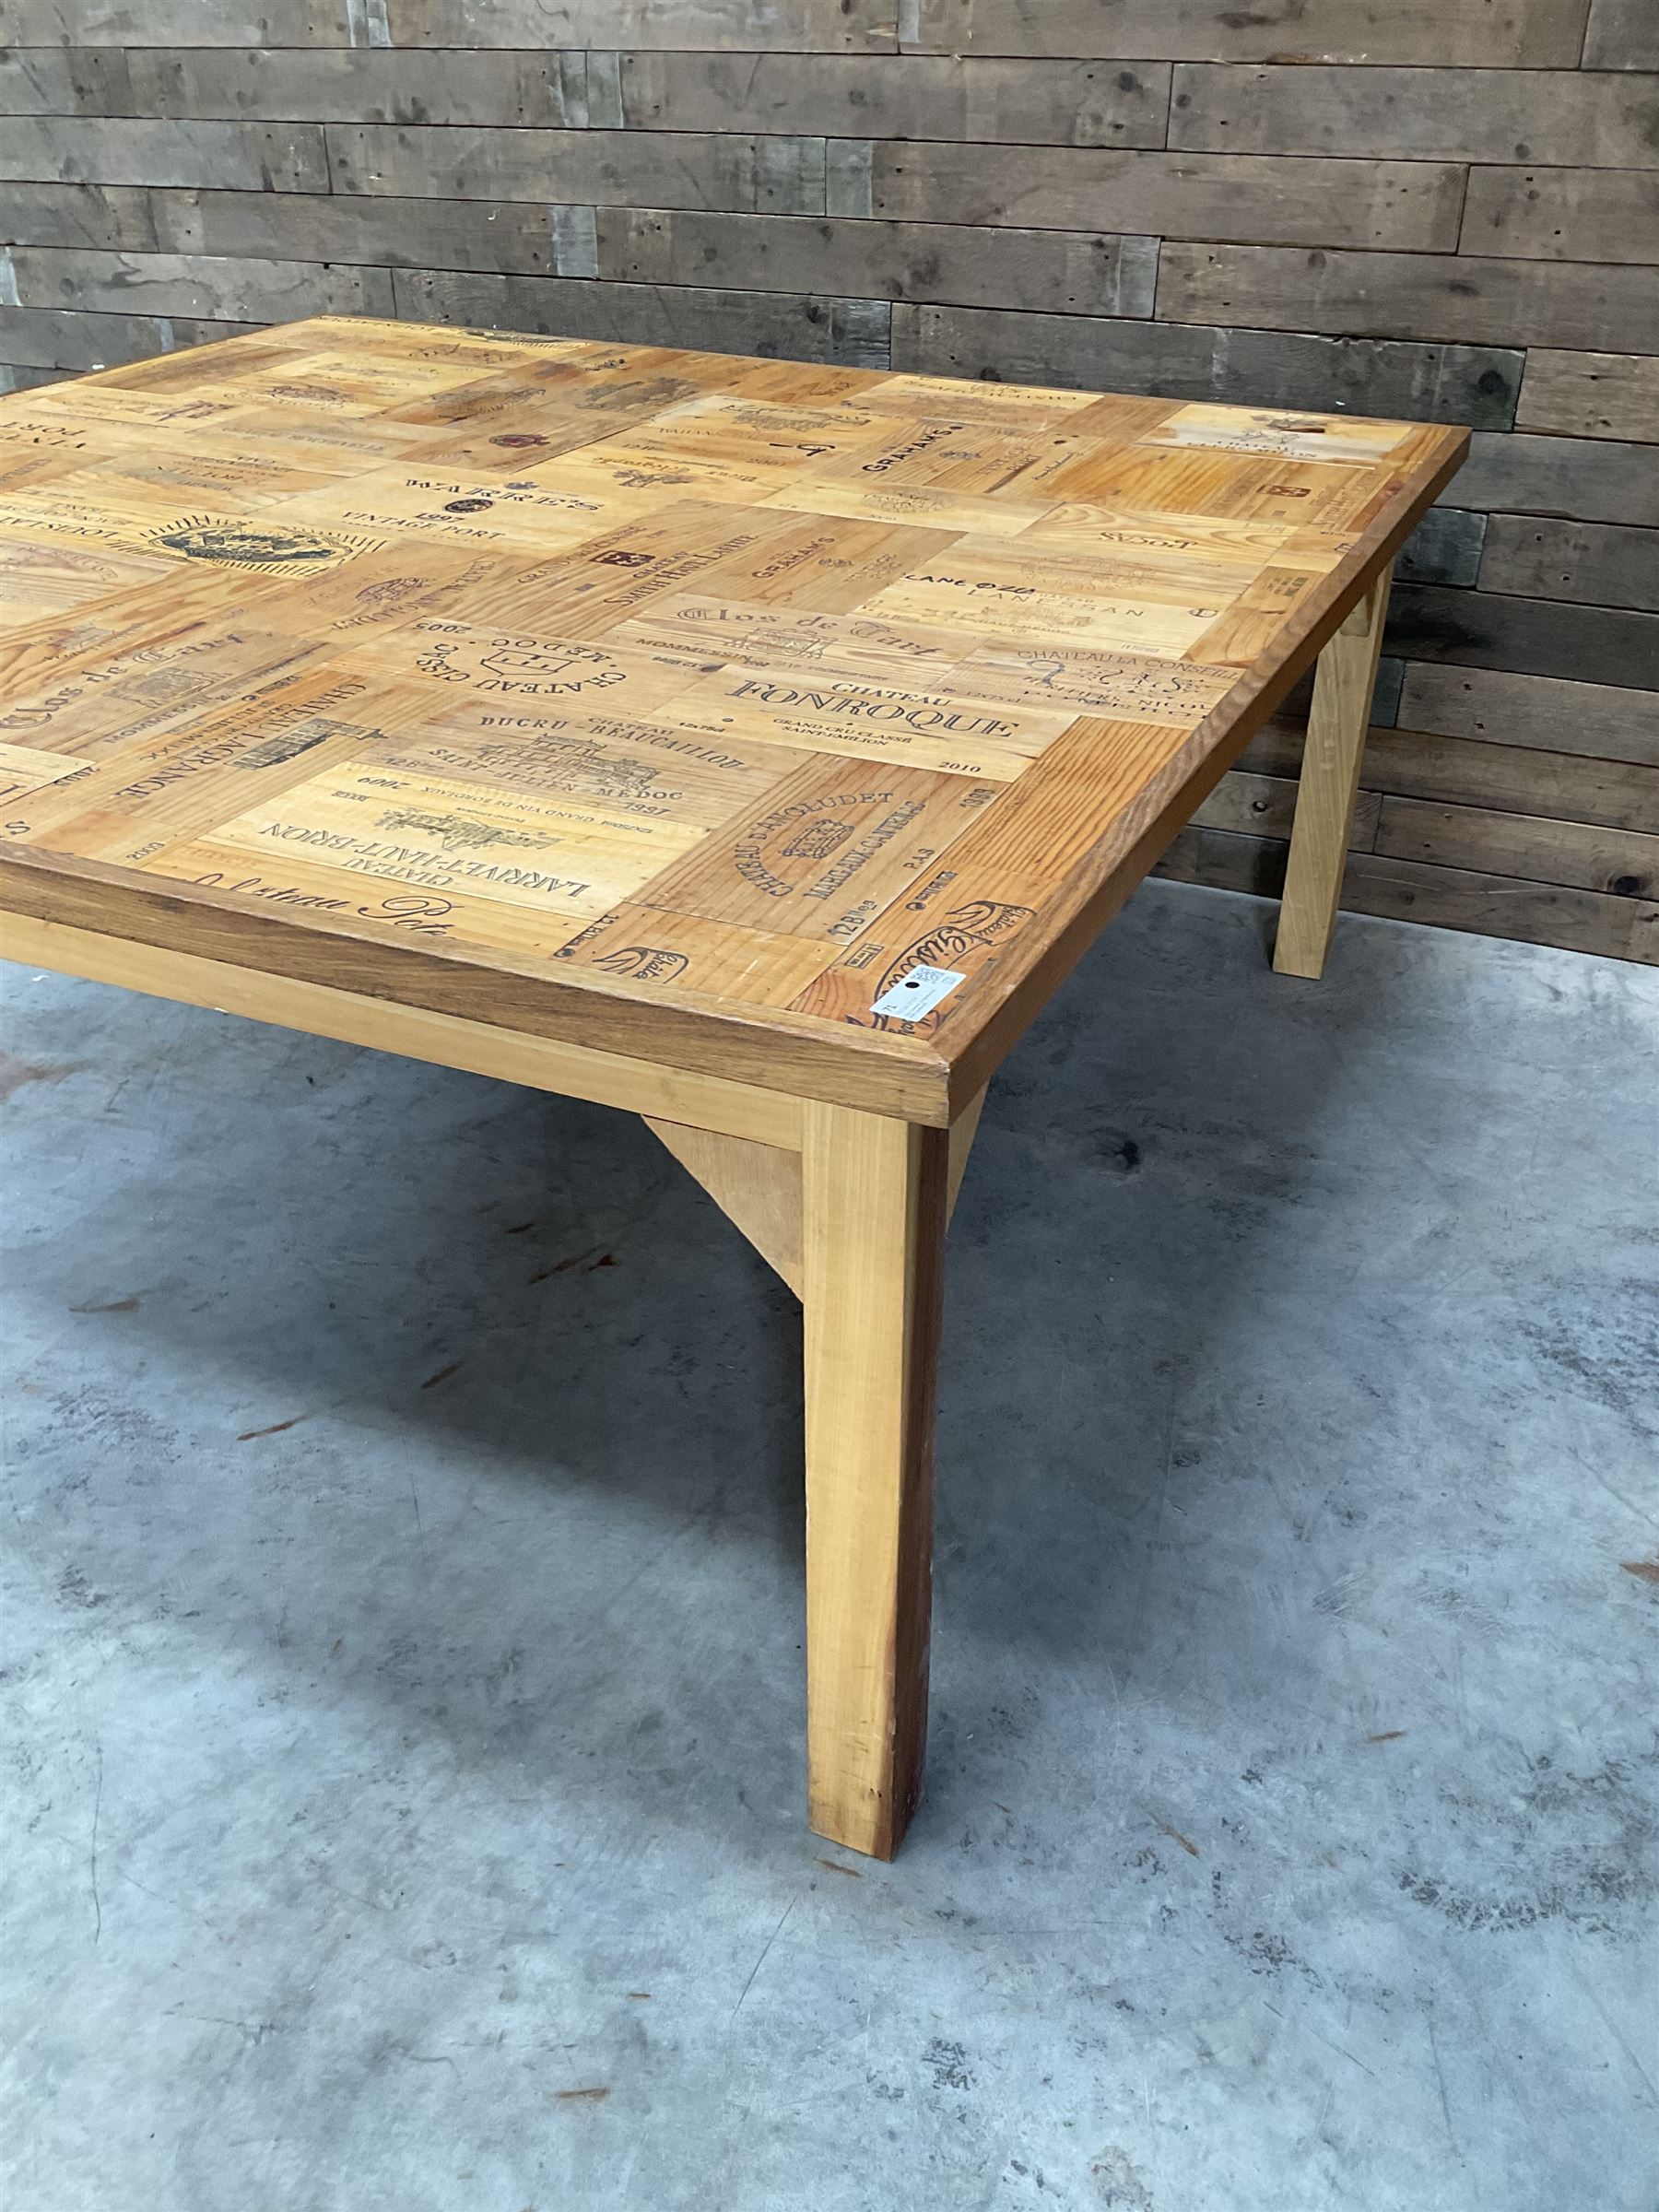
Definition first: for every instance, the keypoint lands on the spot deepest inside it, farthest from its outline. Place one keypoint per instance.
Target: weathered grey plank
(793, 326)
(460, 234)
(1598, 720)
(1410, 890)
(1588, 479)
(1623, 34)
(1486, 630)
(38, 80)
(1445, 547)
(178, 23)
(1424, 383)
(1527, 116)
(1489, 34)
(54, 337)
(847, 166)
(1594, 394)
(1385, 693)
(575, 240)
(1503, 906)
(1474, 300)
(1565, 214)
(1265, 806)
(196, 286)
(1623, 861)
(1464, 772)
(592, 169)
(368, 85)
(15, 379)
(588, 89)
(109, 217)
(1054, 270)
(1600, 562)
(1101, 103)
(1302, 202)
(250, 156)
(678, 25)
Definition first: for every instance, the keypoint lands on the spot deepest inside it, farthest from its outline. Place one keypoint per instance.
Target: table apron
(767, 1117)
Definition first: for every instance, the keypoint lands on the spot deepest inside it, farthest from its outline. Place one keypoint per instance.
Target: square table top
(675, 702)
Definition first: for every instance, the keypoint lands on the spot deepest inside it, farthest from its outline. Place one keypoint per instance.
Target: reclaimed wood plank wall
(1446, 209)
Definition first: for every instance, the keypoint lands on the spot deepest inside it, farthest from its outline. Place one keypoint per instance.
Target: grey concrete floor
(402, 1689)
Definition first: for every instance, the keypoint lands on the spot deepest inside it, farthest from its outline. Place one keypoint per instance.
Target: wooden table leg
(1330, 777)
(873, 1197)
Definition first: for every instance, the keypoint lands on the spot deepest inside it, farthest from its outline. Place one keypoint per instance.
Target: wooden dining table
(751, 746)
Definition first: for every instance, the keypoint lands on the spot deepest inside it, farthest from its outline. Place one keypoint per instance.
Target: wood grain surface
(669, 702)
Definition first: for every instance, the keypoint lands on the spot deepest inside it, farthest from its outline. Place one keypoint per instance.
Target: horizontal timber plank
(1598, 562)
(678, 25)
(1100, 103)
(735, 171)
(1068, 271)
(106, 218)
(1598, 214)
(1489, 34)
(224, 288)
(1586, 480)
(1536, 636)
(1622, 861)
(178, 22)
(270, 226)
(1532, 116)
(850, 332)
(315, 84)
(1423, 383)
(359, 84)
(15, 378)
(1593, 395)
(1601, 722)
(457, 234)
(1472, 300)
(1303, 202)
(51, 337)
(248, 157)
(1264, 805)
(1445, 546)
(41, 80)
(1622, 34)
(1470, 771)
(1445, 898)
(666, 168)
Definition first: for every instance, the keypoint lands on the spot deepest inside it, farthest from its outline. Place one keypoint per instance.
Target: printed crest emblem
(816, 840)
(255, 546)
(519, 665)
(456, 832)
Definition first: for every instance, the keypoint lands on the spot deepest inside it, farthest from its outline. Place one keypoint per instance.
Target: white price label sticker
(918, 993)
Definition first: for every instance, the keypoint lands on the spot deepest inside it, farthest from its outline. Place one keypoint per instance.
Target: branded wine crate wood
(744, 686)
